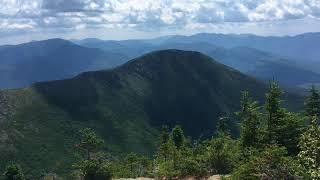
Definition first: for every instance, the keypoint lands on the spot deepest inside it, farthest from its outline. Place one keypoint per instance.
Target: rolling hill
(126, 106)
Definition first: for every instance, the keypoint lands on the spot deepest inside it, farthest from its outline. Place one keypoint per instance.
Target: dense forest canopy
(274, 143)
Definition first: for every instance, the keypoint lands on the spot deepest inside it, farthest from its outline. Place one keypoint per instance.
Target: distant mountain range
(301, 47)
(292, 60)
(126, 106)
(24, 64)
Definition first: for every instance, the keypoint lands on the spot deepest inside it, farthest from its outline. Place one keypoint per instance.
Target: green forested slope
(126, 106)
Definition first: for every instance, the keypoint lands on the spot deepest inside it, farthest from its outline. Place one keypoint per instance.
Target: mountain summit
(169, 87)
(126, 106)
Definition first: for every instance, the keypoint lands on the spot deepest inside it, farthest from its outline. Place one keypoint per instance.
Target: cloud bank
(145, 15)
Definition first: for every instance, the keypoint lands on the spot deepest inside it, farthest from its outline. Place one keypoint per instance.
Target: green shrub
(95, 170)
(309, 155)
(13, 172)
(221, 154)
(133, 165)
(191, 166)
(272, 163)
(166, 169)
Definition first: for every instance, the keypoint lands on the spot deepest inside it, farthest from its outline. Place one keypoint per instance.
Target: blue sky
(25, 20)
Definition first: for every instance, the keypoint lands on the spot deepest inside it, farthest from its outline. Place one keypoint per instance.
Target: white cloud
(148, 15)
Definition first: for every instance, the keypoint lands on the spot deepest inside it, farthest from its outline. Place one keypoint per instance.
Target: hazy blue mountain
(5, 46)
(131, 48)
(24, 64)
(126, 106)
(302, 47)
(254, 62)
(267, 66)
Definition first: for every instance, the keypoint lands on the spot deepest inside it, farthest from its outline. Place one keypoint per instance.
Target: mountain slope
(22, 65)
(164, 81)
(126, 106)
(266, 66)
(259, 64)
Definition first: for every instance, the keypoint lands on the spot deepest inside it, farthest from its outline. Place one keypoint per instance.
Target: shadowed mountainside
(126, 106)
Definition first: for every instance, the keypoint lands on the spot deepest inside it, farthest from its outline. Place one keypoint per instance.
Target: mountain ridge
(53, 59)
(258, 63)
(126, 106)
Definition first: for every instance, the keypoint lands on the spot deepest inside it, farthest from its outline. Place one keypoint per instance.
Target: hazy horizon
(24, 21)
(150, 38)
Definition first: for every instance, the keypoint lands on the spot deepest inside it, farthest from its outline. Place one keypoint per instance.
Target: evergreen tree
(89, 142)
(272, 163)
(283, 128)
(14, 172)
(136, 165)
(223, 126)
(309, 154)
(178, 137)
(249, 118)
(165, 135)
(220, 154)
(168, 155)
(312, 103)
(290, 131)
(275, 113)
(96, 168)
(164, 142)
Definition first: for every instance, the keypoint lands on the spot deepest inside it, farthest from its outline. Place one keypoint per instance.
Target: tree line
(274, 143)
